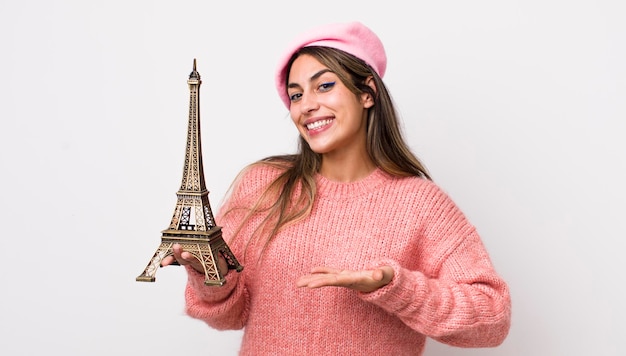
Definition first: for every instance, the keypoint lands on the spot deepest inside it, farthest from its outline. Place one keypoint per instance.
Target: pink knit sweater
(444, 287)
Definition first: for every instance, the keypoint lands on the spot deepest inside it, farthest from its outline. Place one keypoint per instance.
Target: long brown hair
(289, 198)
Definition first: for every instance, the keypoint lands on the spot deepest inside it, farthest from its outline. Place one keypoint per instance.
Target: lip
(323, 122)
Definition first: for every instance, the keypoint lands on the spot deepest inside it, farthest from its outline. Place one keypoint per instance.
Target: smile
(317, 124)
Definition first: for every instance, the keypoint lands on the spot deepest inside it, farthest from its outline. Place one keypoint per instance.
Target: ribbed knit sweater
(444, 285)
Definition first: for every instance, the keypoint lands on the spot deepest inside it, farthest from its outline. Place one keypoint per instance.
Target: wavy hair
(289, 198)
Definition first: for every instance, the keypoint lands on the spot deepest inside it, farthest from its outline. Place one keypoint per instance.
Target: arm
(221, 307)
(451, 293)
(469, 306)
(217, 306)
(466, 305)
(444, 286)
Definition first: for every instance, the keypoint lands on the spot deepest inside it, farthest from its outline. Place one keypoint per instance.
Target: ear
(366, 98)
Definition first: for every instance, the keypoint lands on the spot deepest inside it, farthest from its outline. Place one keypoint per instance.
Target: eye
(324, 87)
(295, 97)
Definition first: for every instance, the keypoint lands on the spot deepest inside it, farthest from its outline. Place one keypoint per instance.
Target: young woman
(349, 247)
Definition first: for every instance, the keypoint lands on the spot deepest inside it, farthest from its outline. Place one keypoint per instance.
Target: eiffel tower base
(205, 247)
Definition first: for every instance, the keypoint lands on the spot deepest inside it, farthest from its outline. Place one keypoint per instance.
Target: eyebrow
(313, 77)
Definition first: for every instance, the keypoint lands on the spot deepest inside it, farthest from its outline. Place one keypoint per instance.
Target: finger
(183, 257)
(322, 269)
(378, 275)
(306, 280)
(325, 280)
(177, 250)
(188, 257)
(222, 265)
(167, 261)
(358, 280)
(387, 274)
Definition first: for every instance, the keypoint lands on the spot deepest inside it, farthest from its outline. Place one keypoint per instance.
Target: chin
(318, 151)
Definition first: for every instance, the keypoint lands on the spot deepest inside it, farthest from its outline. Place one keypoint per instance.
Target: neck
(346, 169)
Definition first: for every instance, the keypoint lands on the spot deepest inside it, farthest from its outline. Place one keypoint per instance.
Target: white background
(516, 107)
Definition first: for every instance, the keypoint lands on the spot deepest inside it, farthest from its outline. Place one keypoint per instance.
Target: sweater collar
(338, 190)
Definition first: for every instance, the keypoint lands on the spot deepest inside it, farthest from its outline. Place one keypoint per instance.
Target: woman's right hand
(186, 258)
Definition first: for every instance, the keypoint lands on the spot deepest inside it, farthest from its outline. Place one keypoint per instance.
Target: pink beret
(351, 37)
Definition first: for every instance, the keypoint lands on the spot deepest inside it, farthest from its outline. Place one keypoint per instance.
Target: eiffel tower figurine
(193, 225)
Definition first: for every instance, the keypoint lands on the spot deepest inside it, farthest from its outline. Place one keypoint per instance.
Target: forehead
(305, 67)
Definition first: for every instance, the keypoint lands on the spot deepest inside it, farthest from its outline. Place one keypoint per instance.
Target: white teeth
(318, 124)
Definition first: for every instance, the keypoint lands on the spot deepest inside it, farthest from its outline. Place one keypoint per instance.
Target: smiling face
(327, 114)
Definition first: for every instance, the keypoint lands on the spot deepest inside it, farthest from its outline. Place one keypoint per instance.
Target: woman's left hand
(362, 281)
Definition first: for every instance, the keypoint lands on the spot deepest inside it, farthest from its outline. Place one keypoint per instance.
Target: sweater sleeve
(456, 297)
(222, 307)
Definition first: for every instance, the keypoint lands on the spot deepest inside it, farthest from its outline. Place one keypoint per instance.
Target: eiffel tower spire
(193, 225)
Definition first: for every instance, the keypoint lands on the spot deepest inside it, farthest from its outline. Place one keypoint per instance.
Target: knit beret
(351, 37)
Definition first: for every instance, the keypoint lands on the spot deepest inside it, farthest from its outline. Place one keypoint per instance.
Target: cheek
(293, 115)
(295, 119)
(340, 100)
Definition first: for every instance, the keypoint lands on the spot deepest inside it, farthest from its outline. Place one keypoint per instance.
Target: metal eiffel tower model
(193, 225)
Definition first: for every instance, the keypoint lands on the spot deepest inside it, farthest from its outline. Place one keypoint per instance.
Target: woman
(349, 247)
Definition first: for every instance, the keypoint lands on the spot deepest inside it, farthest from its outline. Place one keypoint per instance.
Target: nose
(308, 102)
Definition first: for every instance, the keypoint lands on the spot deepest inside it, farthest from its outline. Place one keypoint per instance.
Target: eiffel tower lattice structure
(193, 225)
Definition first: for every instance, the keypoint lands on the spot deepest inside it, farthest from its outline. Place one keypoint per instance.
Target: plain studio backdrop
(516, 107)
